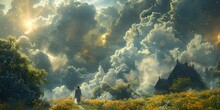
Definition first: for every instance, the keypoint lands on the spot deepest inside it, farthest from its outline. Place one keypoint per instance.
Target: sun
(29, 25)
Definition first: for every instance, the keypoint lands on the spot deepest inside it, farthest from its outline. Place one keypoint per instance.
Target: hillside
(208, 99)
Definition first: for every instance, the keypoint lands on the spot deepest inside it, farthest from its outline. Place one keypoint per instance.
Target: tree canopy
(19, 79)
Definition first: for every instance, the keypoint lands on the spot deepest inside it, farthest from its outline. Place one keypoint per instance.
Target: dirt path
(81, 107)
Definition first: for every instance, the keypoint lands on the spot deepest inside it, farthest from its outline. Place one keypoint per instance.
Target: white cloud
(202, 54)
(57, 92)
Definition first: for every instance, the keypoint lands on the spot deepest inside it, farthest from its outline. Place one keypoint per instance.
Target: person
(78, 95)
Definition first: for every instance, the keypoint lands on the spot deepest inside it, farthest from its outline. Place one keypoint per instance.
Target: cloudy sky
(114, 40)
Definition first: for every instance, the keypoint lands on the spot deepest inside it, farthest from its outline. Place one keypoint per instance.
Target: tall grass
(64, 104)
(204, 100)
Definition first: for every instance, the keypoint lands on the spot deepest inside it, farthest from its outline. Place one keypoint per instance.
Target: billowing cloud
(132, 10)
(69, 28)
(58, 92)
(134, 41)
(105, 3)
(22, 14)
(152, 47)
(71, 77)
(58, 61)
(24, 43)
(200, 17)
(150, 71)
(87, 89)
(5, 26)
(42, 60)
(197, 50)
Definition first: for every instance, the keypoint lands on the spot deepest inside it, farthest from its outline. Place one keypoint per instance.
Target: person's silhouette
(78, 95)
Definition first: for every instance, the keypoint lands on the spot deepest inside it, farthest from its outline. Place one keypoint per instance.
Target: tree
(181, 84)
(97, 92)
(119, 91)
(19, 79)
(122, 91)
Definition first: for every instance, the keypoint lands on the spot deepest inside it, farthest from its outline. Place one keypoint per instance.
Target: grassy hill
(208, 100)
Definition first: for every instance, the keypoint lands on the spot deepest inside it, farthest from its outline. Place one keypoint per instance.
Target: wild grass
(203, 100)
(65, 104)
(191, 100)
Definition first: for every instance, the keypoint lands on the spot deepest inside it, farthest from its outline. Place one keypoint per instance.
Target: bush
(180, 85)
(214, 101)
(64, 104)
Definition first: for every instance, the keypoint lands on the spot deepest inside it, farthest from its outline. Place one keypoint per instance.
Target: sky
(113, 41)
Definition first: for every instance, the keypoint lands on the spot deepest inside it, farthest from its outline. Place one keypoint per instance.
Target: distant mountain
(182, 75)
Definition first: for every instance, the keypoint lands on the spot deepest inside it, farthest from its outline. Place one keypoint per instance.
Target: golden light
(217, 41)
(29, 25)
(28, 15)
(218, 38)
(102, 39)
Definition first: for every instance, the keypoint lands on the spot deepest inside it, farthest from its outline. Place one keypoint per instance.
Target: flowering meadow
(191, 100)
(204, 100)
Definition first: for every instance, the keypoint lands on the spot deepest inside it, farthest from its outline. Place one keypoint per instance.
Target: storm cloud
(107, 42)
(155, 43)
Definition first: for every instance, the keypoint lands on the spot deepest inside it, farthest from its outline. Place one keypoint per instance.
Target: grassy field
(204, 100)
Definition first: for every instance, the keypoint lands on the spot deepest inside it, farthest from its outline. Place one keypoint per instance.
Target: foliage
(126, 104)
(181, 84)
(37, 105)
(64, 104)
(120, 91)
(97, 92)
(186, 100)
(214, 101)
(92, 104)
(19, 79)
(191, 100)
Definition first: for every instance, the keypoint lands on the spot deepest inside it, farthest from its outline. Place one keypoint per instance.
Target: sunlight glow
(102, 39)
(29, 26)
(30, 16)
(57, 61)
(218, 38)
(29, 23)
